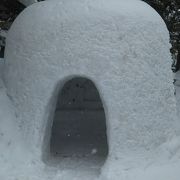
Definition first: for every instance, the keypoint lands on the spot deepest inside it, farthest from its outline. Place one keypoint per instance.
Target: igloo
(91, 71)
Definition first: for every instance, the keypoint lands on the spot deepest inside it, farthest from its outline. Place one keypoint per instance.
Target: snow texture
(122, 46)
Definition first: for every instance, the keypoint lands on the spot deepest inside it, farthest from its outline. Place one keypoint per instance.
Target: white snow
(122, 46)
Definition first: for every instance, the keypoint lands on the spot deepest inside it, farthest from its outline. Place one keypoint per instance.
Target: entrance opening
(79, 125)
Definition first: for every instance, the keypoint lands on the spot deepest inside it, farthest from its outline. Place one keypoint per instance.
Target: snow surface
(28, 2)
(122, 46)
(17, 162)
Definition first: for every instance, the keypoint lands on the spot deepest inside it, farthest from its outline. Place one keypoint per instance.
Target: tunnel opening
(79, 124)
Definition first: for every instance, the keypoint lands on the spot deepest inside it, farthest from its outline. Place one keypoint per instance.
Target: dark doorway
(79, 125)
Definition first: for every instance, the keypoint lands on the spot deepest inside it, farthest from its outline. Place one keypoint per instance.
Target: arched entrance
(79, 124)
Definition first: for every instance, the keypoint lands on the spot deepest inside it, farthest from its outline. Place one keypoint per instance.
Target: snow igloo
(91, 79)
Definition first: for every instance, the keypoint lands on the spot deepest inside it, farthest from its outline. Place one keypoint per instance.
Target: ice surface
(122, 46)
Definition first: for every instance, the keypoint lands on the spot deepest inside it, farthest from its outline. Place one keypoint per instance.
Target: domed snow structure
(92, 79)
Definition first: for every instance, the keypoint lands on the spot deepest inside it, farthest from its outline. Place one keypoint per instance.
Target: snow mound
(122, 47)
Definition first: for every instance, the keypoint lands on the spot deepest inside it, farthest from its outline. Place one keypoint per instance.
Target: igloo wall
(121, 46)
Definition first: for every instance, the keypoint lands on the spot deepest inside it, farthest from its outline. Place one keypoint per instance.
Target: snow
(177, 85)
(122, 46)
(28, 2)
(12, 153)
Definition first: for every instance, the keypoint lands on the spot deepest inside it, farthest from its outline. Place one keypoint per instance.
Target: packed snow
(122, 47)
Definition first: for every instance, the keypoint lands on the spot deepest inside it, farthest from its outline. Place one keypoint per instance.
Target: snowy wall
(122, 46)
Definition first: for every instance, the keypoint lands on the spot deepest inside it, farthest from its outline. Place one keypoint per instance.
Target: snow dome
(91, 79)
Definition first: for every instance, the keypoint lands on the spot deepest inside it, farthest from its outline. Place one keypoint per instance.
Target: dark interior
(79, 125)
